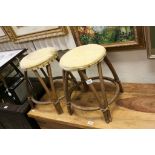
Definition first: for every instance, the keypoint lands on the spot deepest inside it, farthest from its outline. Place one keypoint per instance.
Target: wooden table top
(121, 117)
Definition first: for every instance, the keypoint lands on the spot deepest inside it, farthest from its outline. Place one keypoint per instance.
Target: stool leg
(49, 71)
(85, 86)
(46, 89)
(67, 97)
(45, 75)
(91, 86)
(54, 95)
(74, 80)
(28, 83)
(109, 64)
(105, 110)
(104, 107)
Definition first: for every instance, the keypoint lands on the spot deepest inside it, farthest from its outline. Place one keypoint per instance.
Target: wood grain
(121, 117)
(143, 103)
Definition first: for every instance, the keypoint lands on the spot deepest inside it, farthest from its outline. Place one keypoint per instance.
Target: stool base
(53, 97)
(87, 83)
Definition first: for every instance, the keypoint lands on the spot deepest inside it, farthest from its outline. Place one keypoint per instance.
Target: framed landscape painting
(111, 37)
(28, 33)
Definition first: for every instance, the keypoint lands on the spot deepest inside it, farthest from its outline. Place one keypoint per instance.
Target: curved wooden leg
(74, 80)
(29, 91)
(109, 64)
(45, 75)
(105, 107)
(85, 86)
(67, 97)
(91, 86)
(58, 108)
(54, 94)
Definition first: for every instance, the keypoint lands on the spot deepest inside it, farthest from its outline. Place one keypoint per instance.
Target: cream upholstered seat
(39, 58)
(82, 57)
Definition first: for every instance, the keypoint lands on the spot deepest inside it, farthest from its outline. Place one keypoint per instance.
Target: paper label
(89, 81)
(90, 123)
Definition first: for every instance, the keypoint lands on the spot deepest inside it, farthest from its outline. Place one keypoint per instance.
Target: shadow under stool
(79, 59)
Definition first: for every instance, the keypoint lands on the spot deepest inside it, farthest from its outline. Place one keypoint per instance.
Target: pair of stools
(78, 59)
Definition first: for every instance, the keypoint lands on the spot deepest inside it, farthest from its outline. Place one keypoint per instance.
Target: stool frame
(50, 81)
(51, 95)
(103, 103)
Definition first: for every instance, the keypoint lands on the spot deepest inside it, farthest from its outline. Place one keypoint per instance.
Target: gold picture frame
(138, 42)
(19, 34)
(3, 36)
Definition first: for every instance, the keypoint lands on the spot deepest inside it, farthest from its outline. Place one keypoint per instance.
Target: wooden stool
(36, 61)
(81, 58)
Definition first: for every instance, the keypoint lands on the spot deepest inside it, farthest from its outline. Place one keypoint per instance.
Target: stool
(81, 58)
(36, 61)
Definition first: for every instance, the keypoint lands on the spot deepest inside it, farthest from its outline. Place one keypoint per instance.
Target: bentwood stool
(81, 58)
(38, 60)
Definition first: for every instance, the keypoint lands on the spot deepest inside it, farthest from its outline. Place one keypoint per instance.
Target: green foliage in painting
(107, 35)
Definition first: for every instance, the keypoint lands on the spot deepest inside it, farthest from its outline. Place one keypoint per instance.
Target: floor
(121, 117)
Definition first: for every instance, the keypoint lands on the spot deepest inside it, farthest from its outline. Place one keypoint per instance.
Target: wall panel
(11, 46)
(60, 43)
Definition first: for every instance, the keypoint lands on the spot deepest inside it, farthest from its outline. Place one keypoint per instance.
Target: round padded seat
(82, 57)
(39, 58)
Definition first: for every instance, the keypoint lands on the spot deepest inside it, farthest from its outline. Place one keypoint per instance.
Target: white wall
(131, 66)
